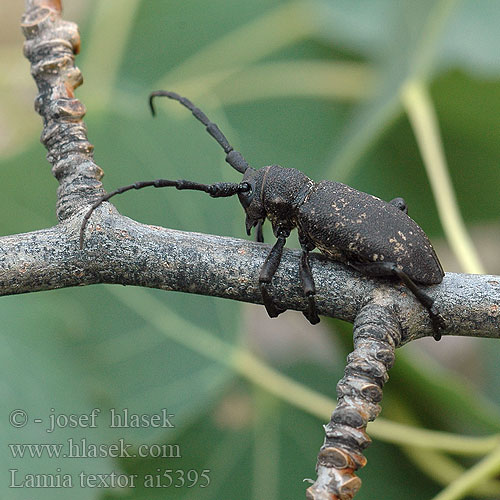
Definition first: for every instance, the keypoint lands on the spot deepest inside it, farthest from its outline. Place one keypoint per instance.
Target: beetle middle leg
(390, 269)
(307, 281)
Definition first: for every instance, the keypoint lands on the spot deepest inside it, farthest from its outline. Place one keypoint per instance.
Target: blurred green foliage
(249, 66)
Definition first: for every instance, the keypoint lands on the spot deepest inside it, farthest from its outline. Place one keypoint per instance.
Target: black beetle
(375, 237)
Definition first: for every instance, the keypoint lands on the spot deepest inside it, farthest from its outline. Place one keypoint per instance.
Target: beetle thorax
(283, 191)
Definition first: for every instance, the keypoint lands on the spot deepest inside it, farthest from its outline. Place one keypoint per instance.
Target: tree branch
(121, 251)
(376, 335)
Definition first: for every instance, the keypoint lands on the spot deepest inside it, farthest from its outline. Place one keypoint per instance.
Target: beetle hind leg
(390, 269)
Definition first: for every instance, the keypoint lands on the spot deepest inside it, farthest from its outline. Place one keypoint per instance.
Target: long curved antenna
(233, 157)
(217, 190)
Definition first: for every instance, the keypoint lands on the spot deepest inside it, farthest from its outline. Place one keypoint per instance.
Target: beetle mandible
(375, 237)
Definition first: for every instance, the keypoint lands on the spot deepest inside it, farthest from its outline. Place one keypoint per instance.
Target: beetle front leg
(390, 268)
(308, 285)
(269, 270)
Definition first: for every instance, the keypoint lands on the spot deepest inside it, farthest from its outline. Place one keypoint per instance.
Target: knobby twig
(376, 335)
(120, 250)
(51, 45)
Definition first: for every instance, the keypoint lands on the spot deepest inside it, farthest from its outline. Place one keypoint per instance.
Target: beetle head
(275, 192)
(251, 200)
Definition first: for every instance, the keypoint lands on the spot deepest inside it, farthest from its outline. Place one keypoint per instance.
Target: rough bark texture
(376, 336)
(51, 45)
(120, 250)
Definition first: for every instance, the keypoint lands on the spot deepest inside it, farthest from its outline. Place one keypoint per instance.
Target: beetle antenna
(217, 190)
(233, 157)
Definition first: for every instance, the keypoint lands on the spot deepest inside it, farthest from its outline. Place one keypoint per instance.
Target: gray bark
(376, 335)
(122, 251)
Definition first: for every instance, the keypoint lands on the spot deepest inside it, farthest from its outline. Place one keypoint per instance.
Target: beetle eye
(247, 195)
(246, 188)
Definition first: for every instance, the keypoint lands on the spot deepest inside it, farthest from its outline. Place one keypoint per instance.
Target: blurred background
(342, 90)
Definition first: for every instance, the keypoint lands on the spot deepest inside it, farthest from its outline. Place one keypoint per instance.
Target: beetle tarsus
(438, 322)
(259, 236)
(272, 309)
(311, 313)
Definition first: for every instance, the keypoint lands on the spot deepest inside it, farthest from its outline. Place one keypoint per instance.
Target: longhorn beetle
(375, 237)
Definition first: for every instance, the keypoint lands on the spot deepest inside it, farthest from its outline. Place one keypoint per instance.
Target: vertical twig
(376, 336)
(51, 45)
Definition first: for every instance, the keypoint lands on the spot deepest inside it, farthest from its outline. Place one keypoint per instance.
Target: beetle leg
(268, 271)
(259, 237)
(308, 286)
(388, 269)
(400, 203)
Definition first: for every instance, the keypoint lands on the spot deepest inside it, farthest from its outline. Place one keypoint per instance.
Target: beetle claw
(311, 314)
(272, 309)
(438, 322)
